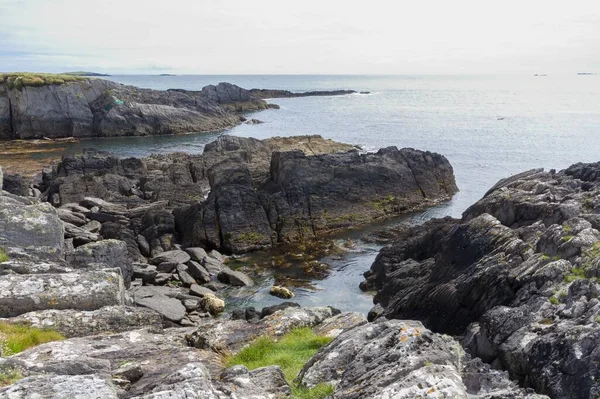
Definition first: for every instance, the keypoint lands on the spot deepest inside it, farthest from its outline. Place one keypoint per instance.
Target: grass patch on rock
(9, 376)
(3, 256)
(290, 352)
(15, 338)
(18, 80)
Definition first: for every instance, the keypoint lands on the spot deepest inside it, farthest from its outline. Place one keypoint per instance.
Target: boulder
(76, 323)
(236, 278)
(61, 387)
(89, 290)
(281, 292)
(103, 254)
(170, 308)
(30, 230)
(175, 256)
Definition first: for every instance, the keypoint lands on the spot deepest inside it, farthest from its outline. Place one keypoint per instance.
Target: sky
(300, 37)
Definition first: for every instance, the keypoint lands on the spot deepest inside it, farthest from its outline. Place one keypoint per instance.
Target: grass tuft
(3, 256)
(18, 80)
(290, 352)
(16, 338)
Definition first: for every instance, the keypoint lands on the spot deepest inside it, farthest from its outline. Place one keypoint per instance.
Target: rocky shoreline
(124, 257)
(102, 108)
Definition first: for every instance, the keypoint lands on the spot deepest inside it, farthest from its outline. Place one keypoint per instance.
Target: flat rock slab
(157, 300)
(61, 387)
(103, 254)
(31, 230)
(232, 335)
(34, 266)
(176, 256)
(160, 355)
(75, 323)
(80, 291)
(233, 277)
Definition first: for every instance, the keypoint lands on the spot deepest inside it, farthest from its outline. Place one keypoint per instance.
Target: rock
(92, 227)
(143, 245)
(103, 354)
(185, 277)
(236, 278)
(132, 372)
(145, 272)
(196, 254)
(200, 291)
(79, 291)
(269, 310)
(79, 235)
(198, 272)
(30, 230)
(97, 107)
(267, 93)
(212, 304)
(16, 184)
(117, 231)
(213, 266)
(399, 359)
(107, 319)
(167, 267)
(71, 217)
(334, 326)
(261, 382)
(175, 256)
(522, 287)
(103, 254)
(281, 292)
(33, 266)
(61, 387)
(170, 308)
(231, 335)
(249, 209)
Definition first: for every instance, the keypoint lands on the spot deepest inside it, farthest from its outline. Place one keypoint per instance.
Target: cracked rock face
(517, 275)
(403, 359)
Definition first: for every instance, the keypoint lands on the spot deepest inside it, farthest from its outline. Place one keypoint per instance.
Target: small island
(85, 73)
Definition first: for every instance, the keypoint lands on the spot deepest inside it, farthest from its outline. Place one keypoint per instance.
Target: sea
(488, 126)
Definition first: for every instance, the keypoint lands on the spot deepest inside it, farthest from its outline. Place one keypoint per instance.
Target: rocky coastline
(127, 259)
(82, 107)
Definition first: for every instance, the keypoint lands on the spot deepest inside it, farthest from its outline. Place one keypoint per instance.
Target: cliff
(517, 276)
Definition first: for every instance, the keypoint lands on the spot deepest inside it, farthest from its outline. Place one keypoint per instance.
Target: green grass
(18, 80)
(15, 338)
(290, 352)
(576, 274)
(9, 377)
(3, 256)
(554, 300)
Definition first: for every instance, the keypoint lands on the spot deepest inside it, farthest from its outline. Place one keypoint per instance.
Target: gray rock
(185, 277)
(236, 278)
(103, 254)
(170, 308)
(400, 359)
(61, 387)
(31, 230)
(175, 256)
(213, 266)
(108, 319)
(79, 235)
(200, 291)
(197, 254)
(71, 217)
(198, 272)
(90, 290)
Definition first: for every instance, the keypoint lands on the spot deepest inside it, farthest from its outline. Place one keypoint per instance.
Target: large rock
(61, 387)
(76, 323)
(105, 254)
(90, 290)
(303, 196)
(97, 107)
(402, 359)
(30, 230)
(160, 355)
(156, 299)
(517, 276)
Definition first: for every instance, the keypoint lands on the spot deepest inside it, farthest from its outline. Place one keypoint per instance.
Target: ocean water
(489, 127)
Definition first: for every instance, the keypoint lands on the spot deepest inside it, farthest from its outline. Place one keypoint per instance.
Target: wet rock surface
(517, 276)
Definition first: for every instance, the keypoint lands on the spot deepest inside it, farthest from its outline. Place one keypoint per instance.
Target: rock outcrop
(404, 360)
(102, 108)
(517, 276)
(242, 194)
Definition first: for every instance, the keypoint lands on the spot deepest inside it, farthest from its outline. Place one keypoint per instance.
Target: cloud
(268, 36)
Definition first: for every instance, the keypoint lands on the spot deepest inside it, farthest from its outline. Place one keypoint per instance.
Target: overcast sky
(307, 36)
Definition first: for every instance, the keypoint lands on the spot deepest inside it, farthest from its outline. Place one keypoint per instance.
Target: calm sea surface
(489, 127)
